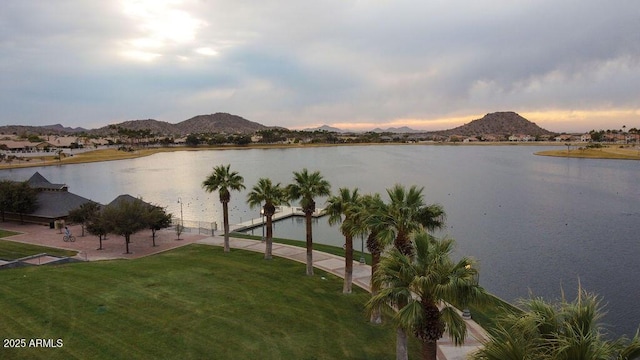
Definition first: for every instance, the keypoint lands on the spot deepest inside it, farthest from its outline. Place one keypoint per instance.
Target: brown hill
(499, 123)
(214, 123)
(219, 122)
(156, 127)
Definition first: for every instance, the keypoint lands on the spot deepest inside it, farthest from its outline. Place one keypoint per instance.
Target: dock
(282, 212)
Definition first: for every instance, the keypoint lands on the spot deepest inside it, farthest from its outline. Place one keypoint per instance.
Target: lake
(535, 224)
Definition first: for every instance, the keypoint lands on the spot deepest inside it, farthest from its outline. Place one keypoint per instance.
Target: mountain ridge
(496, 123)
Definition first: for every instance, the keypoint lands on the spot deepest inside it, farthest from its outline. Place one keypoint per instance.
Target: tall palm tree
(360, 225)
(224, 180)
(418, 289)
(272, 196)
(373, 204)
(563, 331)
(306, 187)
(405, 214)
(347, 204)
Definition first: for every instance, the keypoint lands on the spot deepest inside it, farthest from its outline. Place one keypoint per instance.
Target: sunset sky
(567, 65)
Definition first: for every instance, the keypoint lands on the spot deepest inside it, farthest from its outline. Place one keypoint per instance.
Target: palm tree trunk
(268, 251)
(429, 350)
(348, 266)
(401, 345)
(309, 244)
(376, 315)
(225, 215)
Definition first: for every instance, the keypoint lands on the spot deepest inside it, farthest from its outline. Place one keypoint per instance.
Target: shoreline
(112, 154)
(605, 153)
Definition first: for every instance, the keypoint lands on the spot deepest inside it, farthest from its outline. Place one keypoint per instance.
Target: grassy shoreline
(601, 153)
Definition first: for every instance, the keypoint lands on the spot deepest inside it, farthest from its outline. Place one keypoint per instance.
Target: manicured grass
(485, 316)
(320, 247)
(5, 233)
(11, 250)
(488, 315)
(191, 303)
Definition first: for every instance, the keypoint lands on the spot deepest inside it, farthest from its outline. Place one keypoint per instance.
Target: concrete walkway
(361, 277)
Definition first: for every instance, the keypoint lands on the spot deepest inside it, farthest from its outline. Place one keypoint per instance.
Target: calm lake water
(536, 224)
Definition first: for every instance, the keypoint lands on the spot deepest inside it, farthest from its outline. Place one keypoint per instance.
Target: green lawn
(11, 250)
(191, 303)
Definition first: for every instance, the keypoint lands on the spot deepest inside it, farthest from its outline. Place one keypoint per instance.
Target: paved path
(361, 277)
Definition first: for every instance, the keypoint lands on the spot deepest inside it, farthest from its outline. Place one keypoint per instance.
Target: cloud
(295, 64)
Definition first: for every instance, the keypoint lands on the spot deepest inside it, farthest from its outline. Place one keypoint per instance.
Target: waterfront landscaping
(193, 302)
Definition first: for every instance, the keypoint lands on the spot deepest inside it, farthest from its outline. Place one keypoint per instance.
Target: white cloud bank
(569, 65)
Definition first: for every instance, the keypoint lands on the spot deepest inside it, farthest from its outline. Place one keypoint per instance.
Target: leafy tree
(157, 218)
(97, 225)
(564, 331)
(192, 140)
(24, 199)
(125, 218)
(347, 203)
(272, 196)
(84, 213)
(223, 180)
(306, 187)
(6, 196)
(418, 289)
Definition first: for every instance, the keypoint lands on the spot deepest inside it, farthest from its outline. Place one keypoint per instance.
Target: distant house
(521, 137)
(585, 138)
(564, 137)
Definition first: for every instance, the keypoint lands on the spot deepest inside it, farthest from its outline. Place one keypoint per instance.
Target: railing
(192, 226)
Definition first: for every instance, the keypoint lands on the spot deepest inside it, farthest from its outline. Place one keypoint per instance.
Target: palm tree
(418, 288)
(373, 204)
(224, 180)
(272, 196)
(306, 187)
(346, 203)
(406, 213)
(567, 330)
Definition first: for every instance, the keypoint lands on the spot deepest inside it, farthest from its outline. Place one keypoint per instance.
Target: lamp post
(262, 218)
(466, 313)
(362, 261)
(181, 218)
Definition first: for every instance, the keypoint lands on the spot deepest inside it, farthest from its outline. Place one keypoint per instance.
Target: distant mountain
(400, 130)
(498, 123)
(326, 128)
(62, 129)
(156, 127)
(219, 122)
(38, 130)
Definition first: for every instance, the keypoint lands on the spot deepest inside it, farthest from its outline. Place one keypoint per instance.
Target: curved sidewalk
(361, 277)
